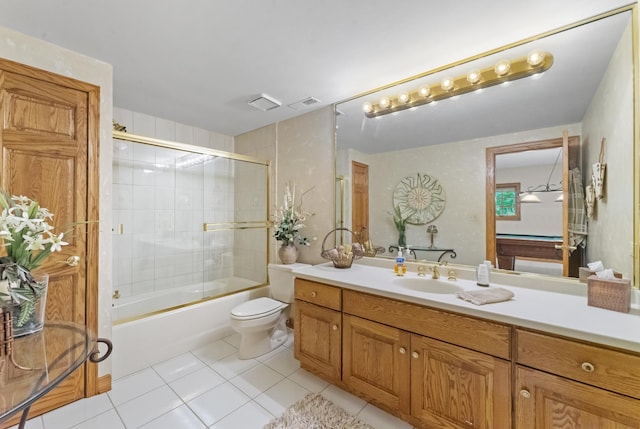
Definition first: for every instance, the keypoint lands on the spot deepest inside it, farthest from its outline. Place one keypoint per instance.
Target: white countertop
(535, 306)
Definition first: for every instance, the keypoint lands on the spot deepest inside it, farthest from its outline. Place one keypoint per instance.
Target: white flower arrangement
(290, 217)
(28, 240)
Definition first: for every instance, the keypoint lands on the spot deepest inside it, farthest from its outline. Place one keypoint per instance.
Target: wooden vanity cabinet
(318, 328)
(376, 362)
(454, 387)
(432, 382)
(565, 383)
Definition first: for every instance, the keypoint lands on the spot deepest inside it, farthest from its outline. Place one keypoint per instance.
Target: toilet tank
(281, 281)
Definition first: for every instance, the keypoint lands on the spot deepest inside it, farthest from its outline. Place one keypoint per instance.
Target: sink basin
(428, 285)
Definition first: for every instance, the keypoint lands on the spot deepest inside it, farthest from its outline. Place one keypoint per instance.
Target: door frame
(490, 193)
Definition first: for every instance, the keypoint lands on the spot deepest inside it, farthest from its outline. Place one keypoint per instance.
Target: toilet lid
(257, 307)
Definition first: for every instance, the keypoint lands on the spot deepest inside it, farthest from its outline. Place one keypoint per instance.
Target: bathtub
(146, 341)
(127, 308)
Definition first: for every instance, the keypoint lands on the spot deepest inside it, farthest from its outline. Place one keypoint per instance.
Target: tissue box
(611, 294)
(585, 272)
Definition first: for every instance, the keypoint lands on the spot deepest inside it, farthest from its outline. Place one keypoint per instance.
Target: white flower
(57, 243)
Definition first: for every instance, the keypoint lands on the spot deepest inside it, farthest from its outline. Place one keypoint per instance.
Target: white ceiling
(200, 61)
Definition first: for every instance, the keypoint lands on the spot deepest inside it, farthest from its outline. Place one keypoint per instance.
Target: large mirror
(588, 92)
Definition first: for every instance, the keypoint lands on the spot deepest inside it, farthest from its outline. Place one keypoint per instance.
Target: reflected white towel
(488, 296)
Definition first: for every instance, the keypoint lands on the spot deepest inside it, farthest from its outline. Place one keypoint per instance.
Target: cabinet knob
(334, 327)
(313, 294)
(415, 355)
(402, 350)
(525, 394)
(588, 367)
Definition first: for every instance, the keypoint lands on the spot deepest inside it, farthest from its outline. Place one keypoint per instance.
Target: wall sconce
(537, 61)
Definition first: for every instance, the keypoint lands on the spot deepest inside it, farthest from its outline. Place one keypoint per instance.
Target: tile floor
(208, 388)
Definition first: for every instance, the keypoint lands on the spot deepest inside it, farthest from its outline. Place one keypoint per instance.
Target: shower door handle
(73, 261)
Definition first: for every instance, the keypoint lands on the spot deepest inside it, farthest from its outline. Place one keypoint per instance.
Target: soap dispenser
(400, 268)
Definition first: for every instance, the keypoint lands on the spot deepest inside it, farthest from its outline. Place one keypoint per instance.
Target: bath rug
(316, 412)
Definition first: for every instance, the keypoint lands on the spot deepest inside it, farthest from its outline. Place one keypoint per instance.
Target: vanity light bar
(535, 62)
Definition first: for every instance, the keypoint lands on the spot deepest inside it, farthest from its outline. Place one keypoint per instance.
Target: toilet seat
(257, 308)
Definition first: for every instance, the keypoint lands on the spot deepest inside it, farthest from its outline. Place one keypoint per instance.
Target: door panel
(49, 127)
(360, 196)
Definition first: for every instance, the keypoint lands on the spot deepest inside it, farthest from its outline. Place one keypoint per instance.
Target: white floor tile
(234, 340)
(181, 417)
(230, 366)
(271, 354)
(215, 351)
(34, 423)
(196, 383)
(289, 343)
(131, 386)
(345, 400)
(249, 416)
(256, 380)
(380, 419)
(107, 420)
(178, 366)
(279, 397)
(217, 403)
(77, 412)
(309, 381)
(284, 362)
(147, 407)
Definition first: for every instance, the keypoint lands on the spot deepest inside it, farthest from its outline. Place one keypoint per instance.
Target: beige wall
(613, 121)
(43, 55)
(301, 151)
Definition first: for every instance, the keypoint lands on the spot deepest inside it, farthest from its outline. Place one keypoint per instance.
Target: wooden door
(453, 387)
(545, 401)
(318, 339)
(359, 196)
(375, 362)
(49, 152)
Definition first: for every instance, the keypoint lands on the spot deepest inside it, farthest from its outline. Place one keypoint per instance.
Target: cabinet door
(548, 401)
(453, 387)
(317, 339)
(376, 362)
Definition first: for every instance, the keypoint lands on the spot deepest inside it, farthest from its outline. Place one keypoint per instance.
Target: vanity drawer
(318, 293)
(476, 334)
(591, 364)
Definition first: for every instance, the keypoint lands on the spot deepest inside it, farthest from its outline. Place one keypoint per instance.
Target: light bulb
(502, 67)
(385, 102)
(367, 107)
(536, 57)
(447, 84)
(474, 77)
(404, 97)
(424, 91)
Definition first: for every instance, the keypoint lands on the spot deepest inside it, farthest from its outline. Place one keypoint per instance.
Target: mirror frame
(633, 8)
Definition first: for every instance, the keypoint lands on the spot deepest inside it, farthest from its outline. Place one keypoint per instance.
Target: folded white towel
(486, 296)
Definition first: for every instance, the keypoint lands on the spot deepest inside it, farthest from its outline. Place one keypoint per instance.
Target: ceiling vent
(264, 102)
(305, 103)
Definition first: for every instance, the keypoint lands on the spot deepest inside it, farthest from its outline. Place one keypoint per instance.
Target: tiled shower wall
(164, 246)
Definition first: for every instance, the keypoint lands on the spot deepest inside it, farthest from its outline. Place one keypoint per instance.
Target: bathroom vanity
(410, 346)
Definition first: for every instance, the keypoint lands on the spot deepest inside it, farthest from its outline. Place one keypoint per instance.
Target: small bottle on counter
(400, 268)
(483, 275)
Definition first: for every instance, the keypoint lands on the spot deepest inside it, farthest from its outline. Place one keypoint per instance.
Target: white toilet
(257, 320)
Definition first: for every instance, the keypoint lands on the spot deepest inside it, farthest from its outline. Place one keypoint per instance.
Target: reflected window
(507, 201)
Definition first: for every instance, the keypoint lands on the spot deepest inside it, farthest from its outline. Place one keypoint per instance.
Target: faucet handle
(422, 270)
(451, 275)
